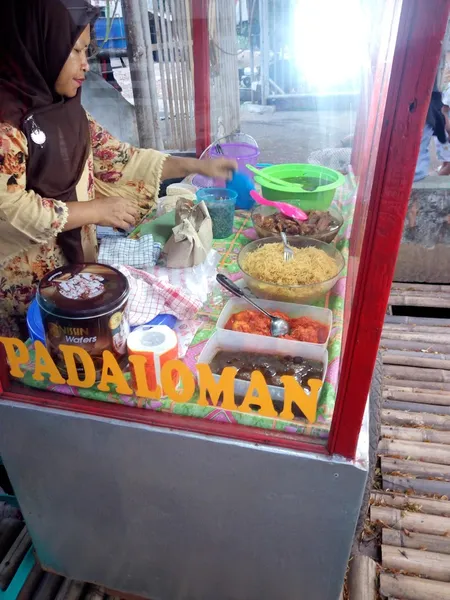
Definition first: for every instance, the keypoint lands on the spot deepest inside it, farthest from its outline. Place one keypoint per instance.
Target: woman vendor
(61, 173)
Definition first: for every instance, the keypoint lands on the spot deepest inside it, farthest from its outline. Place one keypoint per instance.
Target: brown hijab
(36, 38)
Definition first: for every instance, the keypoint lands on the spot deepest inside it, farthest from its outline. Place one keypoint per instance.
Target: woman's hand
(178, 167)
(218, 168)
(115, 212)
(109, 212)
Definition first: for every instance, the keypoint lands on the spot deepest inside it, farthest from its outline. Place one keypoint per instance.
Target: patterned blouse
(29, 223)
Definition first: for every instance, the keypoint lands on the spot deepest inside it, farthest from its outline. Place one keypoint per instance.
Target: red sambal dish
(303, 329)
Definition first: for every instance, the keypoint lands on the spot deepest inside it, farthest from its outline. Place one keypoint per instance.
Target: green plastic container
(327, 181)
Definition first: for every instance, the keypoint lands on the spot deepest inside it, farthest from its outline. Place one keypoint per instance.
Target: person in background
(61, 173)
(435, 126)
(443, 150)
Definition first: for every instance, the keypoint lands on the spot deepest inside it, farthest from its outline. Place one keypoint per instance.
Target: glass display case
(192, 493)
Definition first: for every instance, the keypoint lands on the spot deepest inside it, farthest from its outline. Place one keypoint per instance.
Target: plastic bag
(198, 280)
(192, 236)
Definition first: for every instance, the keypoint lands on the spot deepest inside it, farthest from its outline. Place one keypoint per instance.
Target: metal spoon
(278, 326)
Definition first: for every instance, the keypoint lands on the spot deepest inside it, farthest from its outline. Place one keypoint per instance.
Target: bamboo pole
(31, 583)
(183, 30)
(416, 468)
(151, 76)
(175, 74)
(63, 590)
(161, 68)
(413, 588)
(412, 336)
(264, 47)
(70, 590)
(397, 386)
(417, 504)
(395, 344)
(190, 66)
(429, 386)
(416, 359)
(435, 301)
(416, 407)
(412, 327)
(431, 487)
(139, 73)
(75, 590)
(177, 16)
(401, 372)
(418, 522)
(95, 593)
(419, 287)
(362, 578)
(389, 319)
(419, 419)
(13, 558)
(164, 73)
(420, 397)
(414, 434)
(171, 79)
(10, 528)
(434, 453)
(429, 564)
(48, 587)
(421, 294)
(417, 541)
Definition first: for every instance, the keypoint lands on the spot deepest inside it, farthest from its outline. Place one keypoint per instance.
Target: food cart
(180, 499)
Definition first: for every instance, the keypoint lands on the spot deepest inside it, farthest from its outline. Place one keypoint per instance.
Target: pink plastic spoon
(287, 209)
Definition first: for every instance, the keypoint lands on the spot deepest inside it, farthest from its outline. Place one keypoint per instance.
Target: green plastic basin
(320, 198)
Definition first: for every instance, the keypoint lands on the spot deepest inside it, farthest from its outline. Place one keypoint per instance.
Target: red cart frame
(385, 154)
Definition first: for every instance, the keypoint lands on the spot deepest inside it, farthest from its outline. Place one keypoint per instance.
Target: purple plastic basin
(242, 153)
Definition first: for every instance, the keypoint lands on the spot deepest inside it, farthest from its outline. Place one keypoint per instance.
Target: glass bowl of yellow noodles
(307, 277)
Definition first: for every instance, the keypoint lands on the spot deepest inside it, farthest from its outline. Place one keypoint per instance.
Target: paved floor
(290, 136)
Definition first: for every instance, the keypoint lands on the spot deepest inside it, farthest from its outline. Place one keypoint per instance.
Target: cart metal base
(166, 514)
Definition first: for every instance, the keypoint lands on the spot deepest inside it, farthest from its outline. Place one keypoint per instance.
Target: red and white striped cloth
(151, 296)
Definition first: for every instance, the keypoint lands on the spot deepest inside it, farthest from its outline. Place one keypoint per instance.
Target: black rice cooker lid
(82, 291)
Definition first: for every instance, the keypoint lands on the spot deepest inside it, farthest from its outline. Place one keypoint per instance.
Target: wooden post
(138, 53)
(202, 86)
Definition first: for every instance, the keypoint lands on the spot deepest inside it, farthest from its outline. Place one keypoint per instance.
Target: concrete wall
(171, 515)
(110, 109)
(425, 250)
